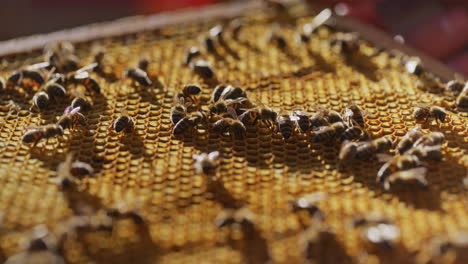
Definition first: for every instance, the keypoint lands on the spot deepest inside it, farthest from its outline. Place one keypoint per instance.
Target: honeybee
(412, 175)
(189, 122)
(250, 117)
(445, 248)
(455, 87)
(124, 122)
(71, 117)
(348, 151)
(261, 113)
(206, 163)
(309, 204)
(351, 133)
(190, 91)
(286, 124)
(199, 117)
(217, 92)
(39, 246)
(427, 152)
(354, 112)
(225, 106)
(409, 139)
(35, 134)
(365, 150)
(414, 66)
(267, 115)
(318, 20)
(32, 72)
(72, 169)
(203, 69)
(236, 26)
(80, 101)
(278, 41)
(431, 139)
(61, 56)
(327, 133)
(217, 32)
(231, 92)
(192, 53)
(348, 43)
(319, 118)
(423, 112)
(139, 76)
(376, 230)
(143, 64)
(462, 99)
(128, 209)
(179, 111)
(182, 125)
(55, 90)
(83, 77)
(80, 169)
(40, 100)
(234, 126)
(331, 116)
(209, 44)
(302, 120)
(232, 216)
(65, 179)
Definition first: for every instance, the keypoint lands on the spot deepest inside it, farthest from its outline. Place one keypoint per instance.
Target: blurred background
(437, 27)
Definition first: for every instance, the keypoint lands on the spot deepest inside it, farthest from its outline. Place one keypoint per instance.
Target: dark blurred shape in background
(27, 17)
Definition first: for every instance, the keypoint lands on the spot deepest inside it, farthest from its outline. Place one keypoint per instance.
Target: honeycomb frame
(263, 172)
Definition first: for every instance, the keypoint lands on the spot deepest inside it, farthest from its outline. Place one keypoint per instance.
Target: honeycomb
(263, 172)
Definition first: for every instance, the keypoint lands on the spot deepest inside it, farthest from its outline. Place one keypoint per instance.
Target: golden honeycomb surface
(263, 172)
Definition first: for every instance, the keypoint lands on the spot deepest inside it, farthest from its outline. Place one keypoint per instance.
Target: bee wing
(300, 113)
(241, 117)
(232, 112)
(67, 110)
(81, 75)
(294, 117)
(37, 66)
(226, 92)
(213, 155)
(349, 113)
(416, 128)
(87, 67)
(418, 174)
(75, 110)
(179, 100)
(199, 157)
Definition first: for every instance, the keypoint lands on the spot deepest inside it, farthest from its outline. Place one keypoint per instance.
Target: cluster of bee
(459, 89)
(43, 245)
(51, 77)
(230, 111)
(69, 120)
(211, 43)
(413, 150)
